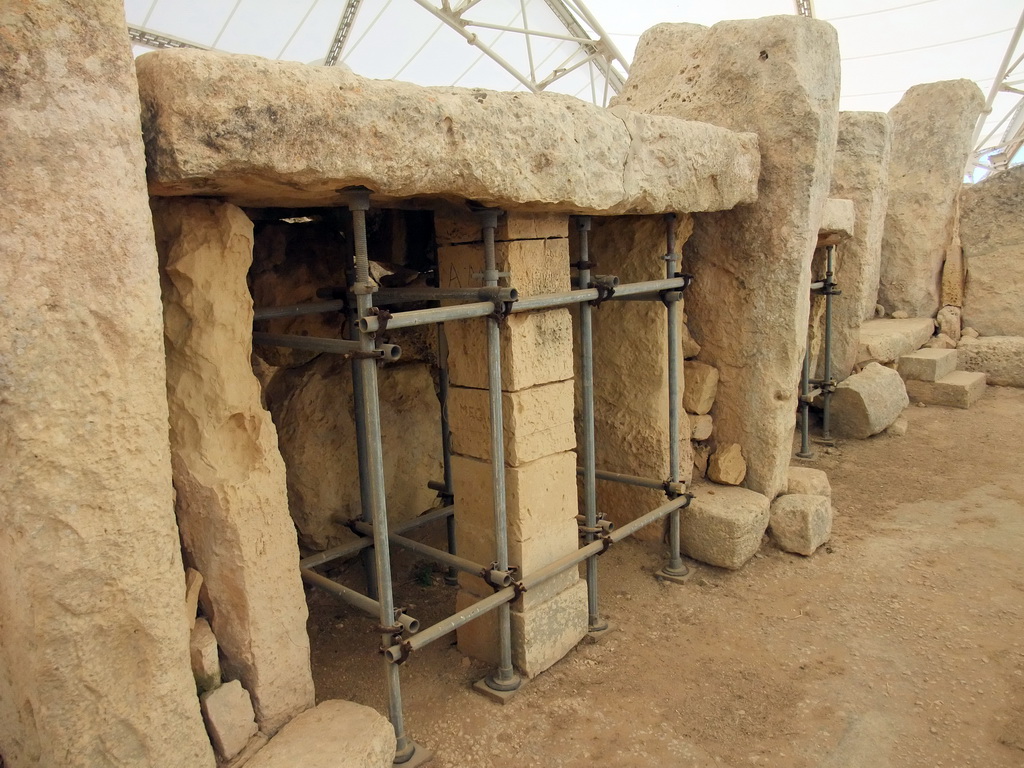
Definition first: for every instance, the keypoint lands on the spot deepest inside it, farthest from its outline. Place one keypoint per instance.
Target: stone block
(536, 266)
(868, 402)
(949, 320)
(537, 422)
(203, 653)
(545, 633)
(927, 364)
(808, 481)
(701, 458)
(837, 218)
(334, 734)
(960, 389)
(749, 305)
(727, 465)
(700, 426)
(700, 385)
(800, 523)
(229, 717)
(214, 125)
(940, 341)
(932, 127)
(884, 341)
(991, 232)
(455, 225)
(898, 428)
(1001, 357)
(724, 525)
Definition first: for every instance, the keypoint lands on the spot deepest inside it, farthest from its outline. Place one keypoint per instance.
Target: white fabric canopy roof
(886, 45)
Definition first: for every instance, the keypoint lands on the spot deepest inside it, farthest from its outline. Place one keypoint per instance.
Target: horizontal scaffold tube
(330, 346)
(391, 296)
(357, 600)
(676, 489)
(400, 651)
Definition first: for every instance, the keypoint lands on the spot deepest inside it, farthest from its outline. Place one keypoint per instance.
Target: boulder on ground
(868, 402)
(1001, 357)
(800, 523)
(807, 480)
(724, 525)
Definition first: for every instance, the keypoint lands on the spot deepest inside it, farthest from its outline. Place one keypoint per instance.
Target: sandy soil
(901, 643)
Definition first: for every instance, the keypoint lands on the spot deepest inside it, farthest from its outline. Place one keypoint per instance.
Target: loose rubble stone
(970, 333)
(700, 386)
(991, 231)
(727, 465)
(932, 128)
(203, 652)
(879, 310)
(948, 320)
(335, 734)
(927, 364)
(193, 585)
(960, 389)
(900, 314)
(1001, 357)
(232, 501)
(724, 525)
(749, 305)
(214, 125)
(868, 402)
(701, 457)
(93, 649)
(700, 426)
(898, 428)
(800, 523)
(809, 481)
(885, 341)
(940, 341)
(861, 173)
(837, 218)
(229, 718)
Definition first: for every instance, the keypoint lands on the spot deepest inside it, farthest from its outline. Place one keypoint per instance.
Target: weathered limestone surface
(800, 523)
(931, 139)
(861, 174)
(336, 734)
(232, 500)
(838, 217)
(701, 427)
(94, 657)
(927, 364)
(868, 402)
(727, 465)
(215, 124)
(1001, 357)
(886, 340)
(992, 234)
(724, 525)
(701, 387)
(229, 718)
(314, 412)
(203, 652)
(950, 321)
(750, 302)
(807, 480)
(960, 389)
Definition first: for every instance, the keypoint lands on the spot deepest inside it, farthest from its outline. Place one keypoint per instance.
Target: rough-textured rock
(700, 426)
(193, 584)
(838, 217)
(749, 305)
(992, 233)
(868, 402)
(949, 320)
(229, 718)
(885, 341)
(701, 386)
(960, 389)
(701, 457)
(336, 734)
(931, 138)
(314, 412)
(940, 341)
(927, 364)
(232, 500)
(1001, 357)
(808, 481)
(969, 333)
(214, 124)
(898, 428)
(861, 174)
(94, 667)
(724, 525)
(727, 465)
(800, 523)
(203, 652)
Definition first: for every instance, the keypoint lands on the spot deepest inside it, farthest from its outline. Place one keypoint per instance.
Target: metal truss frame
(152, 39)
(992, 154)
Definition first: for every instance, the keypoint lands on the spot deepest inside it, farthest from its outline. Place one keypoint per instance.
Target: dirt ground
(901, 643)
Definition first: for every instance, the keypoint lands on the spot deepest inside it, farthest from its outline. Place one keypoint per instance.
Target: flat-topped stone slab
(927, 364)
(274, 133)
(886, 340)
(960, 389)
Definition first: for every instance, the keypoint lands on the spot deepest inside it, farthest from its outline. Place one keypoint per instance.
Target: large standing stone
(861, 174)
(992, 234)
(931, 138)
(749, 305)
(232, 500)
(215, 124)
(868, 402)
(724, 525)
(94, 657)
(1001, 357)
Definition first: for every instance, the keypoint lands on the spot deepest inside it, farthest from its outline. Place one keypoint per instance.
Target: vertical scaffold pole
(369, 414)
(505, 677)
(452, 577)
(805, 406)
(826, 388)
(587, 449)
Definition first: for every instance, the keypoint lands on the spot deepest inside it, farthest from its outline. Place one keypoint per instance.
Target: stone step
(960, 389)
(927, 364)
(886, 339)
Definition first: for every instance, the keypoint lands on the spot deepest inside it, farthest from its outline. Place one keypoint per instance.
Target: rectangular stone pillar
(537, 379)
(94, 641)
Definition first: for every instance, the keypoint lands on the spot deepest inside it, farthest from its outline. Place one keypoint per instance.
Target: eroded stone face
(931, 139)
(1001, 357)
(94, 649)
(216, 124)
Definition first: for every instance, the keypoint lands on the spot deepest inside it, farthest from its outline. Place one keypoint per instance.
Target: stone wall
(94, 654)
